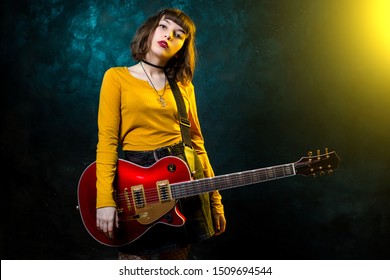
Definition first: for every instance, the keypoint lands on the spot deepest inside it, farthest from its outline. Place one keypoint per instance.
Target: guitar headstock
(317, 164)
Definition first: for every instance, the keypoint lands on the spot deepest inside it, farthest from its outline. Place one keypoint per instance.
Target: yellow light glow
(381, 14)
(368, 35)
(373, 26)
(380, 30)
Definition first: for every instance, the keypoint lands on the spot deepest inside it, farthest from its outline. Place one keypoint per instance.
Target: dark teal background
(271, 85)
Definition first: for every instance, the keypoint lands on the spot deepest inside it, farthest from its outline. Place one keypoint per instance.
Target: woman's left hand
(219, 223)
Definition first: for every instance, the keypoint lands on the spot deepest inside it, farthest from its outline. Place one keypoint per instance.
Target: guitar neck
(233, 180)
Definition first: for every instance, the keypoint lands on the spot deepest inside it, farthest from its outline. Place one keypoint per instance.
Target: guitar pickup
(138, 196)
(164, 191)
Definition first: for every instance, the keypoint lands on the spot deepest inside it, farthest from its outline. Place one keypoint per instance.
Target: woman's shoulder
(186, 87)
(117, 73)
(116, 70)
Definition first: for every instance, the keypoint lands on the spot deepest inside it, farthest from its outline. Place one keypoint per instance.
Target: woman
(137, 112)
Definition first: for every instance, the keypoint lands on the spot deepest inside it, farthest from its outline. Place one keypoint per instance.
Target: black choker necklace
(148, 63)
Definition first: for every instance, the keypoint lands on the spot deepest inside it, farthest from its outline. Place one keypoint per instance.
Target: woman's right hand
(106, 217)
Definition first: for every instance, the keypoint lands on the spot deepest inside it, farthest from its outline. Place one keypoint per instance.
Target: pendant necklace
(161, 96)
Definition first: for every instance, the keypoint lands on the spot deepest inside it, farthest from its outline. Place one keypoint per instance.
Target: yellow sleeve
(107, 147)
(198, 145)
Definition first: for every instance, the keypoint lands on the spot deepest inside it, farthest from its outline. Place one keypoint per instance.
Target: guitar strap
(183, 117)
(189, 153)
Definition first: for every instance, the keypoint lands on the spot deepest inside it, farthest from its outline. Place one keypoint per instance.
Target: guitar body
(143, 198)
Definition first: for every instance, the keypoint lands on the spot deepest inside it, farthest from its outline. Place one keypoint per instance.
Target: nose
(169, 35)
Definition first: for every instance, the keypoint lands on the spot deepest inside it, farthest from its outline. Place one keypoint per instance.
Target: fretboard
(233, 180)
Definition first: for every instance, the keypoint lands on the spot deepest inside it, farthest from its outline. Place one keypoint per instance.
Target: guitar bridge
(164, 191)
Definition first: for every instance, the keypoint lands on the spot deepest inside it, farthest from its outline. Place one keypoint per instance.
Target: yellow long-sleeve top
(130, 115)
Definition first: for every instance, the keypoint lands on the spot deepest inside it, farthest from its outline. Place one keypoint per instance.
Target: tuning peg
(330, 172)
(326, 150)
(310, 153)
(322, 173)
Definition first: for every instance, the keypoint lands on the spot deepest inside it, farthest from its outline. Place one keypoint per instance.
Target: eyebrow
(169, 22)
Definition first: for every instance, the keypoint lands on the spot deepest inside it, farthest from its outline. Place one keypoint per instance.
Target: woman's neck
(152, 71)
(152, 64)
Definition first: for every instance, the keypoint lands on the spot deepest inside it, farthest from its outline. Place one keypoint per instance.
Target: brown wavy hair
(182, 65)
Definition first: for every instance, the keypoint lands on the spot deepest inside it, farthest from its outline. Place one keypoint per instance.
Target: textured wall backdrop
(275, 79)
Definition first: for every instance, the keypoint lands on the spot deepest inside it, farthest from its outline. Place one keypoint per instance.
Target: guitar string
(196, 185)
(199, 183)
(260, 172)
(152, 194)
(155, 197)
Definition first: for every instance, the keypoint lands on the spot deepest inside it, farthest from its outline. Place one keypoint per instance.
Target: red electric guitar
(148, 195)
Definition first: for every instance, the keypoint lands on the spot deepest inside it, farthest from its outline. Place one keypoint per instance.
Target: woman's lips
(163, 44)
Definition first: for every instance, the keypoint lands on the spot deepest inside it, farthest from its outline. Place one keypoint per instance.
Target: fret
(279, 171)
(270, 173)
(262, 175)
(247, 178)
(254, 176)
(238, 179)
(289, 170)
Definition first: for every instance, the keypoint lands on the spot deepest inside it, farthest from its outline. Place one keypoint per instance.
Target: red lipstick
(163, 44)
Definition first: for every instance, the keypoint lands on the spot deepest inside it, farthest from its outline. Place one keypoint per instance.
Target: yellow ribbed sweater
(131, 115)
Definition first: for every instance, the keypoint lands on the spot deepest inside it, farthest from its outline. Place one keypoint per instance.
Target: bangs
(180, 19)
